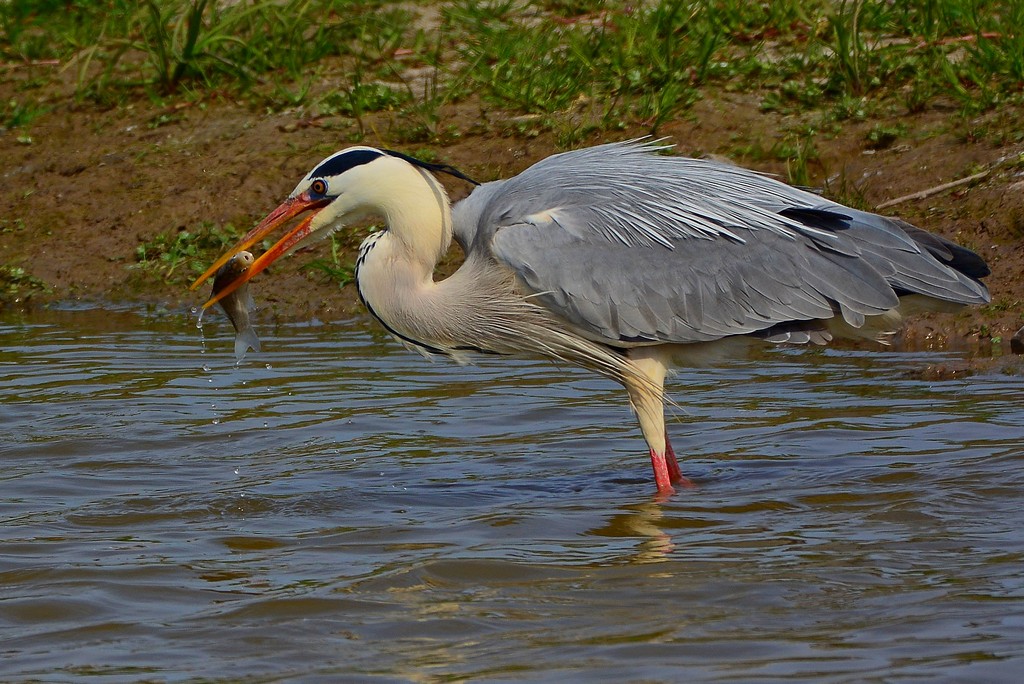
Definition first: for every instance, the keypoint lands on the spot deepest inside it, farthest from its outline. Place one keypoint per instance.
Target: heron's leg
(646, 398)
(674, 474)
(670, 460)
(662, 479)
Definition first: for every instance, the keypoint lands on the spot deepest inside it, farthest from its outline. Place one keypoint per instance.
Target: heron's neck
(419, 219)
(395, 269)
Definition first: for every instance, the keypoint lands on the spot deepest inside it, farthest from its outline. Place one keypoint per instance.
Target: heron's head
(328, 194)
(343, 187)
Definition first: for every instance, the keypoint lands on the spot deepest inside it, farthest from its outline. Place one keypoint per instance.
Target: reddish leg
(672, 465)
(661, 472)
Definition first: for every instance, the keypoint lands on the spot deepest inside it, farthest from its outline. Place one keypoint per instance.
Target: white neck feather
(416, 209)
(395, 272)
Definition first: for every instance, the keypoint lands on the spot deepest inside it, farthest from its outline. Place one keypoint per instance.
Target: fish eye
(318, 187)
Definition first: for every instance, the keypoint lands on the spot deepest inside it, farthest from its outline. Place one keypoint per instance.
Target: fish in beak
(289, 209)
(239, 304)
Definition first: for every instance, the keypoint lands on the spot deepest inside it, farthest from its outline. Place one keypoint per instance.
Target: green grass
(882, 136)
(574, 66)
(15, 114)
(17, 285)
(168, 47)
(183, 254)
(646, 63)
(334, 269)
(642, 66)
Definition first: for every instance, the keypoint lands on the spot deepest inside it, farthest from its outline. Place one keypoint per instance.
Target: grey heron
(618, 258)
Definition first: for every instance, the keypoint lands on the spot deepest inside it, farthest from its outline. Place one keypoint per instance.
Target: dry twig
(928, 192)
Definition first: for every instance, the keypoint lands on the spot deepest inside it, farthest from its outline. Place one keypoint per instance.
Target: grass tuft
(333, 269)
(17, 285)
(192, 250)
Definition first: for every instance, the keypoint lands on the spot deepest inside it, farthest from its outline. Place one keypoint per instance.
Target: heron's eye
(318, 187)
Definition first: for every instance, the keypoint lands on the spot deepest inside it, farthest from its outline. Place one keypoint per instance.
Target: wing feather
(632, 247)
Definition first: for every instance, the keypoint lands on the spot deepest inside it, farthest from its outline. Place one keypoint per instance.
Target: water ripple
(335, 508)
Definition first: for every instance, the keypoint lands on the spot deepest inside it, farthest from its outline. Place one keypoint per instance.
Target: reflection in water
(336, 508)
(640, 521)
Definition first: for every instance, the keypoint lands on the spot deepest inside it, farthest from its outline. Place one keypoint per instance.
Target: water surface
(337, 509)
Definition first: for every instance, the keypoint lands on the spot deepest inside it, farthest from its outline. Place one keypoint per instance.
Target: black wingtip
(950, 253)
(433, 168)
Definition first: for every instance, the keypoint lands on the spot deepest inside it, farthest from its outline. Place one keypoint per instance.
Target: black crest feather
(433, 168)
(342, 162)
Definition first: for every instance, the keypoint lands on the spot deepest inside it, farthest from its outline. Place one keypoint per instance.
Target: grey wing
(701, 290)
(682, 250)
(627, 193)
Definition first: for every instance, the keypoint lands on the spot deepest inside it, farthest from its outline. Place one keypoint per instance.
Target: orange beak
(288, 210)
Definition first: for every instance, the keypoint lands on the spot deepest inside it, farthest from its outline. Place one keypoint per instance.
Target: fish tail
(244, 341)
